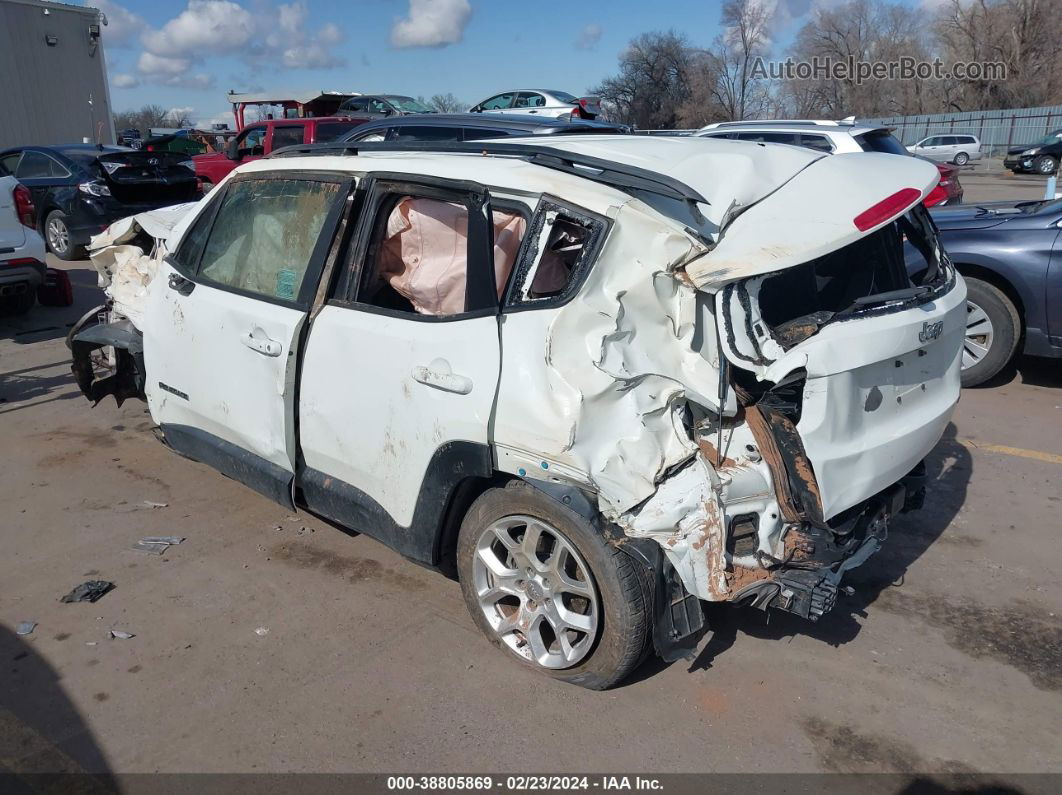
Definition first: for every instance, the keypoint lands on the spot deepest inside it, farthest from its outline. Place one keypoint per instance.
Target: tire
(617, 610)
(993, 322)
(57, 237)
(962, 159)
(1045, 165)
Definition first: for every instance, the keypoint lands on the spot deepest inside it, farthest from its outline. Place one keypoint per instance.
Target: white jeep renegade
(603, 378)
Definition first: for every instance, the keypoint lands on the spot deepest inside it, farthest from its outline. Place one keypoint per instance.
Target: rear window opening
(894, 266)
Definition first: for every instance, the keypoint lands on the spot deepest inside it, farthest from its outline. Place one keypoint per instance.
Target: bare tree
(447, 103)
(1021, 34)
(653, 81)
(737, 91)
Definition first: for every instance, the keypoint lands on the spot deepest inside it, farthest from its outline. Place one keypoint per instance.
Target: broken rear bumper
(806, 582)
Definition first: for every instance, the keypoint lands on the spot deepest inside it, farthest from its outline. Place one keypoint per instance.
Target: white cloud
(125, 81)
(151, 64)
(589, 36)
(123, 26)
(432, 23)
(272, 37)
(219, 27)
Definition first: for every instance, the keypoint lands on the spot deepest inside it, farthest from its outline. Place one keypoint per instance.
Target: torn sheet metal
(125, 269)
(600, 397)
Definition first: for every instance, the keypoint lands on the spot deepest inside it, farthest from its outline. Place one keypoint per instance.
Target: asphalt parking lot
(268, 642)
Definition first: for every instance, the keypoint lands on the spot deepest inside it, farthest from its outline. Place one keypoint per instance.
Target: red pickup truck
(259, 139)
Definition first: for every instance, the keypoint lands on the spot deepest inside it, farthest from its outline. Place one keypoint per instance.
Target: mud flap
(126, 379)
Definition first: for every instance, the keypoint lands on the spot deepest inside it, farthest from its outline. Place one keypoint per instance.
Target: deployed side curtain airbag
(424, 254)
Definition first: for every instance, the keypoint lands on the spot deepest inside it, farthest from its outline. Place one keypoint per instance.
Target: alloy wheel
(58, 236)
(536, 591)
(1047, 166)
(979, 335)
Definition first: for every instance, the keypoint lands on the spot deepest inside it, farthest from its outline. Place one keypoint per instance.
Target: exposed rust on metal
(768, 446)
(738, 576)
(712, 455)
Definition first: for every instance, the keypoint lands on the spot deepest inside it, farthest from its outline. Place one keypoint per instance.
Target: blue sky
(188, 54)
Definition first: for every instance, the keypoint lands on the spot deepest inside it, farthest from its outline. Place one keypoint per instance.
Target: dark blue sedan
(1010, 254)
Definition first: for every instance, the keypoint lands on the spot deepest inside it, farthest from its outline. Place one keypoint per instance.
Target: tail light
(577, 113)
(24, 209)
(886, 208)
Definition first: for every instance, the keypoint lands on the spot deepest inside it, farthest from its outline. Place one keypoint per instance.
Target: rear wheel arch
(999, 282)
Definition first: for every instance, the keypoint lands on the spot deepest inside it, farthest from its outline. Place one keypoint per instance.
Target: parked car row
(80, 189)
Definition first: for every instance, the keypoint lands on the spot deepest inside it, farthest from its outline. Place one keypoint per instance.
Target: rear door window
(479, 133)
(529, 99)
(264, 235)
(37, 165)
(820, 143)
(769, 137)
(288, 135)
(424, 132)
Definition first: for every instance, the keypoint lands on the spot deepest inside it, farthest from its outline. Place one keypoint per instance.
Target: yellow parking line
(1020, 452)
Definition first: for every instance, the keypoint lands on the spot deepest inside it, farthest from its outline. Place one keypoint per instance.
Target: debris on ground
(151, 504)
(156, 545)
(118, 634)
(90, 591)
(261, 631)
(25, 627)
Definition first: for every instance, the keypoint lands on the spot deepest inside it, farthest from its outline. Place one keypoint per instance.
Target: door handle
(258, 341)
(180, 284)
(532, 111)
(439, 375)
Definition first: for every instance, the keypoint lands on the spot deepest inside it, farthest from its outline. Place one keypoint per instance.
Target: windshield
(564, 96)
(408, 104)
(881, 142)
(1049, 139)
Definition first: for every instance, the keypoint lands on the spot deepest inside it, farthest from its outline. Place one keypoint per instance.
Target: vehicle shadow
(949, 468)
(1032, 370)
(47, 744)
(43, 323)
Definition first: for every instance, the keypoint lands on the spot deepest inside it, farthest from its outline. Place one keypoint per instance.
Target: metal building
(53, 75)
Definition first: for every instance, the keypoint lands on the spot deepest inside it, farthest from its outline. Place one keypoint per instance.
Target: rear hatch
(825, 325)
(141, 177)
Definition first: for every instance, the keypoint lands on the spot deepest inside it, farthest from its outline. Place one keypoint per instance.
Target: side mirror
(388, 111)
(232, 151)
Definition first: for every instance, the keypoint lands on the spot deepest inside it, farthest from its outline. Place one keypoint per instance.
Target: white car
(541, 102)
(822, 135)
(22, 265)
(605, 378)
(957, 149)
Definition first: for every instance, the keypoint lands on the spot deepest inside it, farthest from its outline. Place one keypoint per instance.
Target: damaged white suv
(604, 379)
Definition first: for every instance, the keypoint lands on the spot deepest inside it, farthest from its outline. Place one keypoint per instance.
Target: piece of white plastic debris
(25, 627)
(151, 504)
(162, 540)
(261, 631)
(90, 643)
(120, 635)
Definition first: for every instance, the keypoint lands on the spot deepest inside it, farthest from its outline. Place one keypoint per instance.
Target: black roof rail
(596, 169)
